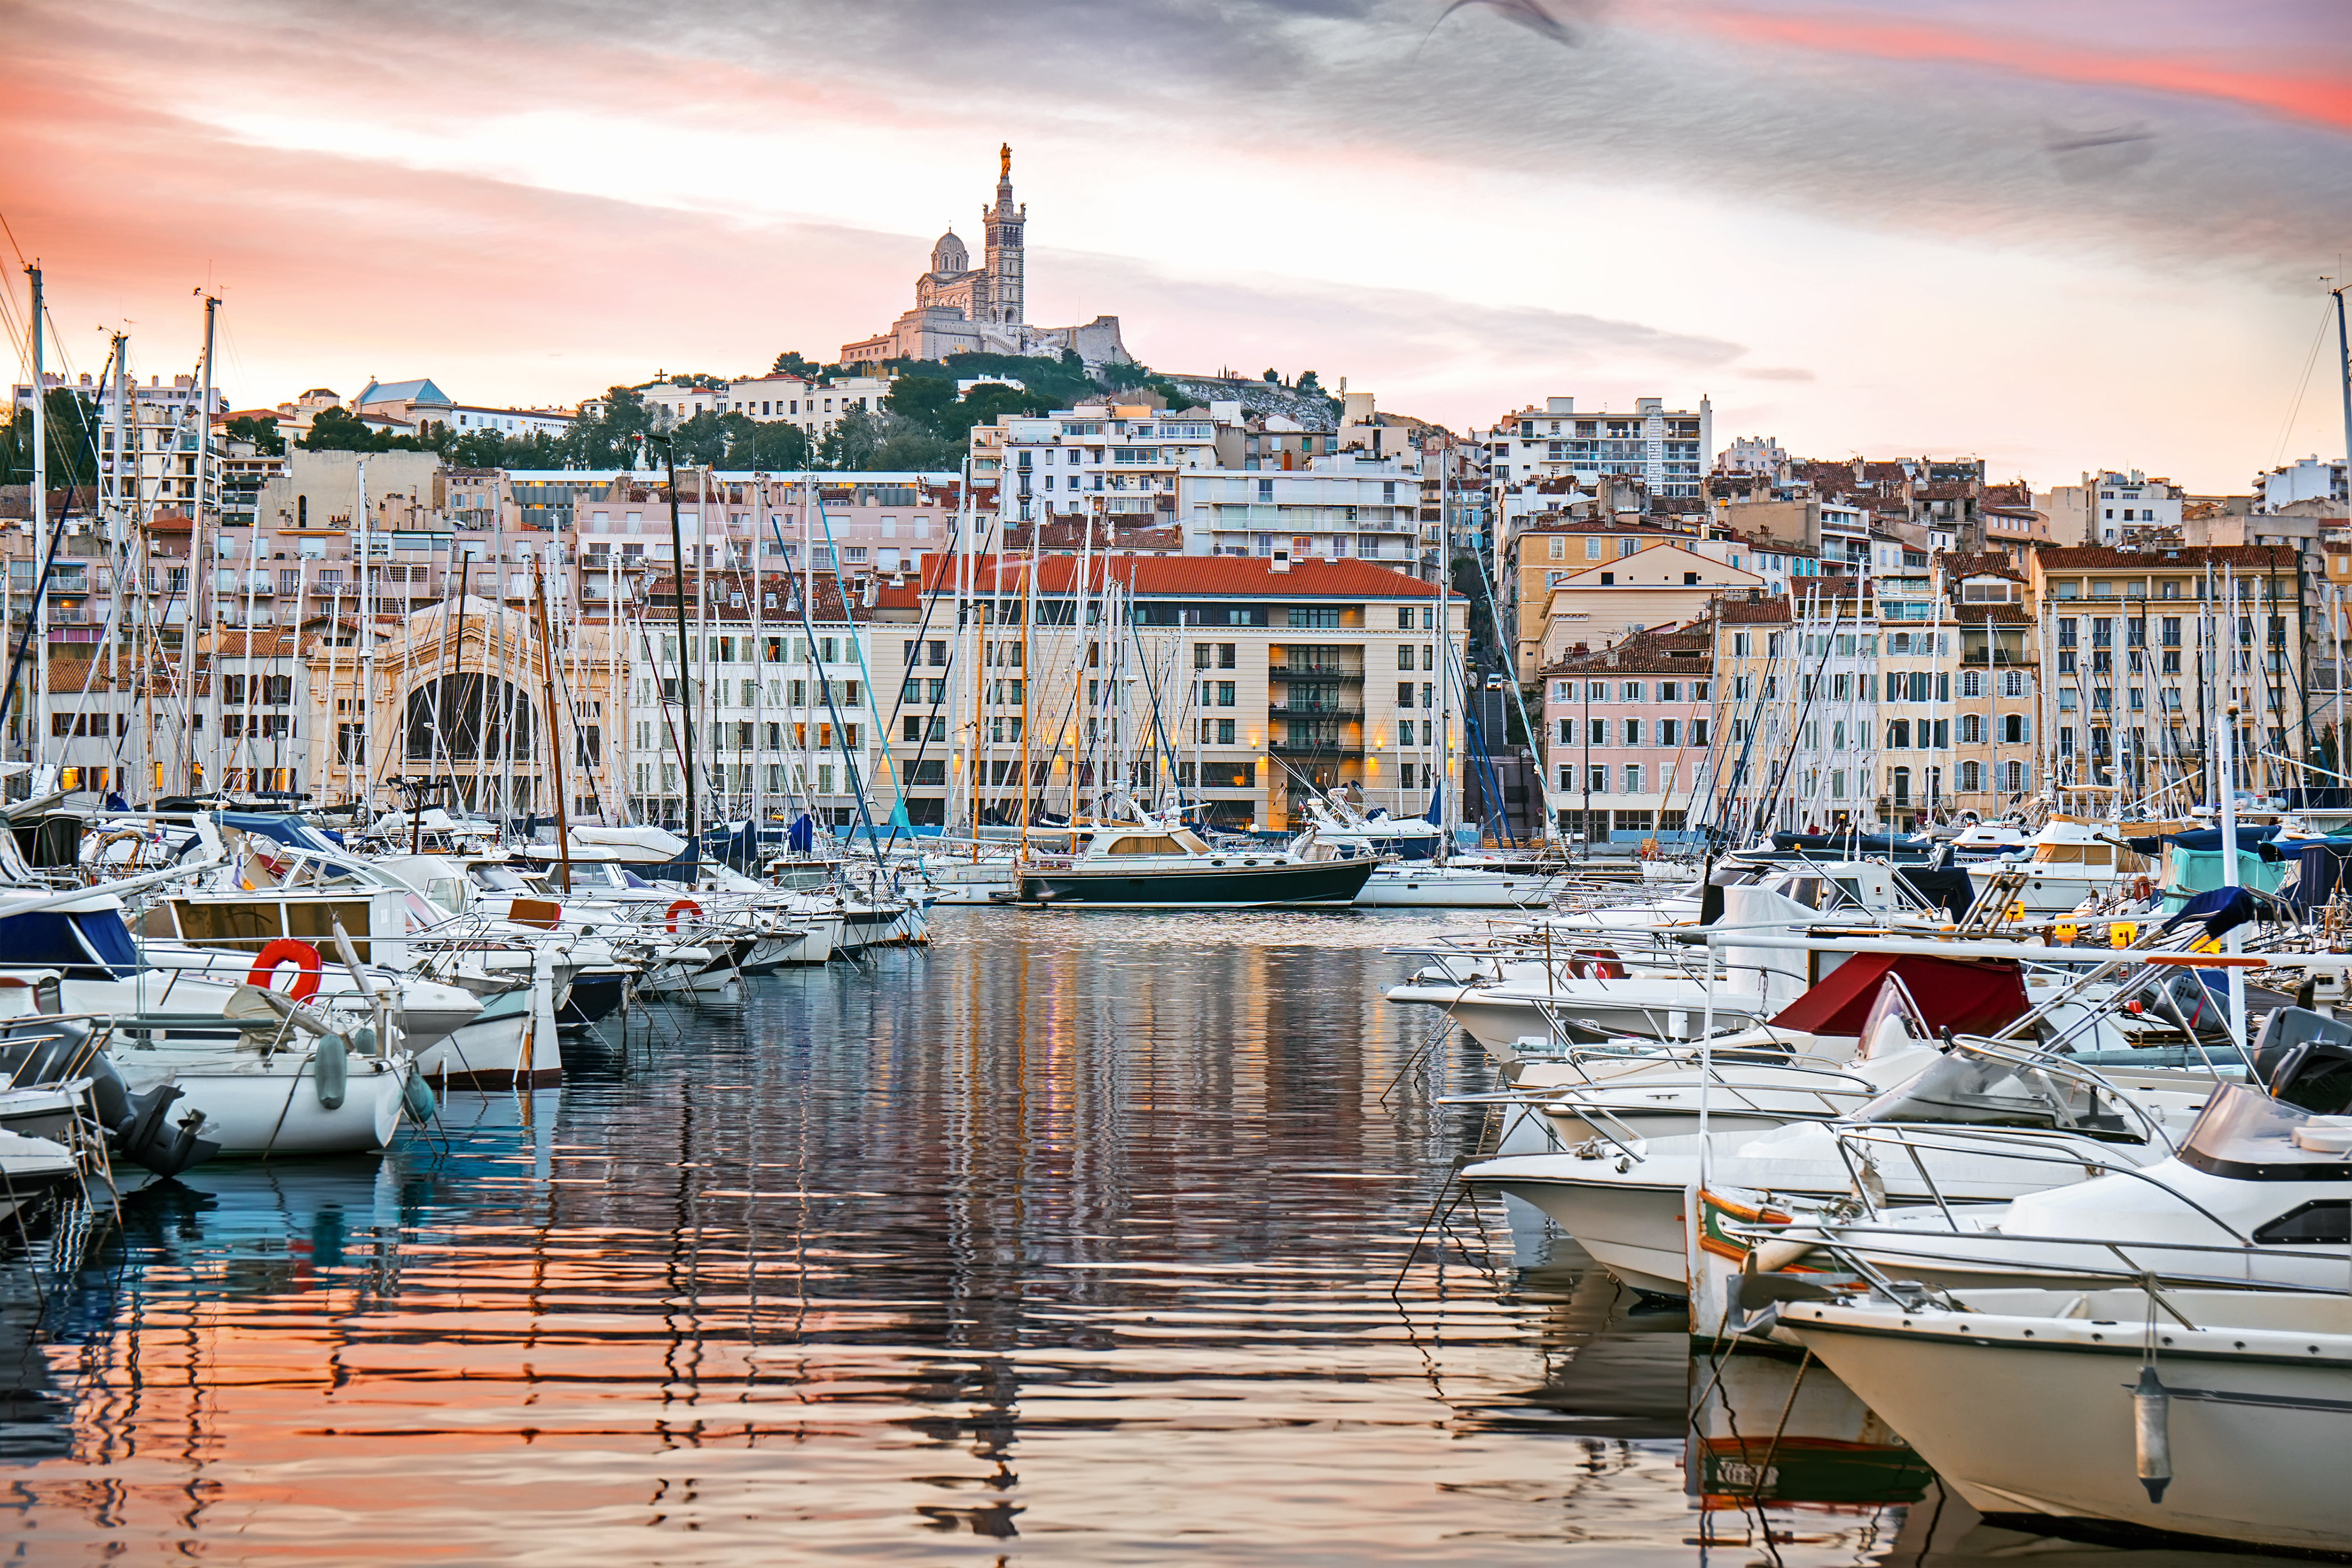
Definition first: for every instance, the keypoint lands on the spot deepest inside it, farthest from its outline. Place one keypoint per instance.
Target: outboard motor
(37, 1051)
(145, 1138)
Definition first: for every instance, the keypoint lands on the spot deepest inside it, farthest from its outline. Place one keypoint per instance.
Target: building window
(1634, 779)
(1596, 780)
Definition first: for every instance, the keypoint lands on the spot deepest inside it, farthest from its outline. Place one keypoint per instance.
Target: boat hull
(2030, 1418)
(253, 1107)
(1309, 883)
(496, 1051)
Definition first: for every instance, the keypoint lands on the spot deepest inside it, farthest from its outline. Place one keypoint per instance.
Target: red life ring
(1606, 965)
(282, 950)
(682, 904)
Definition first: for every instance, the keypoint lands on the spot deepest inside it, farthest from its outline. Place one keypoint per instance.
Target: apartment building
(1248, 682)
(1591, 583)
(2147, 648)
(815, 406)
(1629, 732)
(1332, 507)
(1664, 448)
(1116, 462)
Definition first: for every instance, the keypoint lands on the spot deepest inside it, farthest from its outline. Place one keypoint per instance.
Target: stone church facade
(962, 309)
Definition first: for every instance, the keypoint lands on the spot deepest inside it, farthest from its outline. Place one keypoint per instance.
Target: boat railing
(1870, 1250)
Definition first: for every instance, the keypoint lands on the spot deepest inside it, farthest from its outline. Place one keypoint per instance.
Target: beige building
(1251, 680)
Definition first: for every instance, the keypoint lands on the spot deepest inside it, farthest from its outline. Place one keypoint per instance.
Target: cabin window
(1140, 844)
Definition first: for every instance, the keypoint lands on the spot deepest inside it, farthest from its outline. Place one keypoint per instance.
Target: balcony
(1311, 714)
(1299, 669)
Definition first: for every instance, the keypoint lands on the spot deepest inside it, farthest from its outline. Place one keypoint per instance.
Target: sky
(2059, 234)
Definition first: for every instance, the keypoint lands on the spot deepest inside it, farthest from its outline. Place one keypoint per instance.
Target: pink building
(1628, 730)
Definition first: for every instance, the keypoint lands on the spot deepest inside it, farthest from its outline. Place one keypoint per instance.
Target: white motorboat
(2212, 1418)
(1439, 884)
(1985, 1123)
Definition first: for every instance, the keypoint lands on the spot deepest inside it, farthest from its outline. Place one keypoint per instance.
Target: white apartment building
(1337, 508)
(1665, 448)
(816, 407)
(1752, 454)
(2306, 478)
(1117, 461)
(2129, 503)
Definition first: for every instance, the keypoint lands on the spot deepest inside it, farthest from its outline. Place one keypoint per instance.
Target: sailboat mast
(37, 710)
(1446, 674)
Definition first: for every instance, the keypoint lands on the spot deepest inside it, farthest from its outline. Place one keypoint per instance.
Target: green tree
(337, 430)
(72, 443)
(908, 446)
(1273, 375)
(792, 362)
(610, 439)
(771, 447)
(261, 432)
(1307, 382)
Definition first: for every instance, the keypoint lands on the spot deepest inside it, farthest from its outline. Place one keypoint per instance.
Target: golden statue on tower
(1005, 161)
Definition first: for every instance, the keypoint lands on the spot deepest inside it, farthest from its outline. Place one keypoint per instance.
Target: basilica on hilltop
(962, 309)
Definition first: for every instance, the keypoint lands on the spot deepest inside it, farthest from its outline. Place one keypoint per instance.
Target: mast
(202, 506)
(2225, 742)
(37, 710)
(363, 776)
(686, 694)
(1445, 805)
(554, 725)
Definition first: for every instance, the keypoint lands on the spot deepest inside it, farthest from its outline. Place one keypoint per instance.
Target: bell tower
(1003, 261)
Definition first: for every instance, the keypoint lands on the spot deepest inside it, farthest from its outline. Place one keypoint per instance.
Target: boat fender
(332, 1061)
(2152, 1445)
(283, 951)
(419, 1096)
(1771, 1257)
(683, 905)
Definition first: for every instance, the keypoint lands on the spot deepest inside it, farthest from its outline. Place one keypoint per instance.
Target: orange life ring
(1606, 964)
(681, 904)
(281, 950)
(2142, 888)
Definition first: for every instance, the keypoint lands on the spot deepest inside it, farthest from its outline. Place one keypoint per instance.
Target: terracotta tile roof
(1988, 564)
(230, 644)
(2187, 557)
(1218, 576)
(1752, 611)
(1648, 653)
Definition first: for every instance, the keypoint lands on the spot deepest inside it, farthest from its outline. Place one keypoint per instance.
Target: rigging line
(2303, 381)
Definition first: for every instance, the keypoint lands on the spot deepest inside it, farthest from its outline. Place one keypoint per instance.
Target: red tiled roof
(1989, 565)
(1217, 576)
(2171, 558)
(1647, 653)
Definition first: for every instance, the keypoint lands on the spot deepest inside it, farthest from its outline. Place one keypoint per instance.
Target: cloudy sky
(2056, 234)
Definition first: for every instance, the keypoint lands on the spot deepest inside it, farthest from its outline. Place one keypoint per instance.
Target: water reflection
(1078, 1237)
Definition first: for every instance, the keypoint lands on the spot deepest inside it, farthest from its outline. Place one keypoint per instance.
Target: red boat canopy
(1970, 997)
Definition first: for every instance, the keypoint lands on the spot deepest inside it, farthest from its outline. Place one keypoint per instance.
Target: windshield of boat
(631, 880)
(1982, 1089)
(2244, 1133)
(498, 880)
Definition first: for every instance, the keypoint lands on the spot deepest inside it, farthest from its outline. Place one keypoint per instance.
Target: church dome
(949, 255)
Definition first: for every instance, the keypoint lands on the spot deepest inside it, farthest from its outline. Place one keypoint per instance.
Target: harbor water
(1085, 1238)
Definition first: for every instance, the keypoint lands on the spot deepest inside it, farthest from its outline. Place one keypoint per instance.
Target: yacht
(1163, 866)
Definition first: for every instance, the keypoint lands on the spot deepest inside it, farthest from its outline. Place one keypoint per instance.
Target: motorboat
(2259, 1193)
(2128, 1414)
(1984, 1123)
(1161, 865)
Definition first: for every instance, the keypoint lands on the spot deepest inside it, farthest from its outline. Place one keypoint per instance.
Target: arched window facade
(469, 717)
